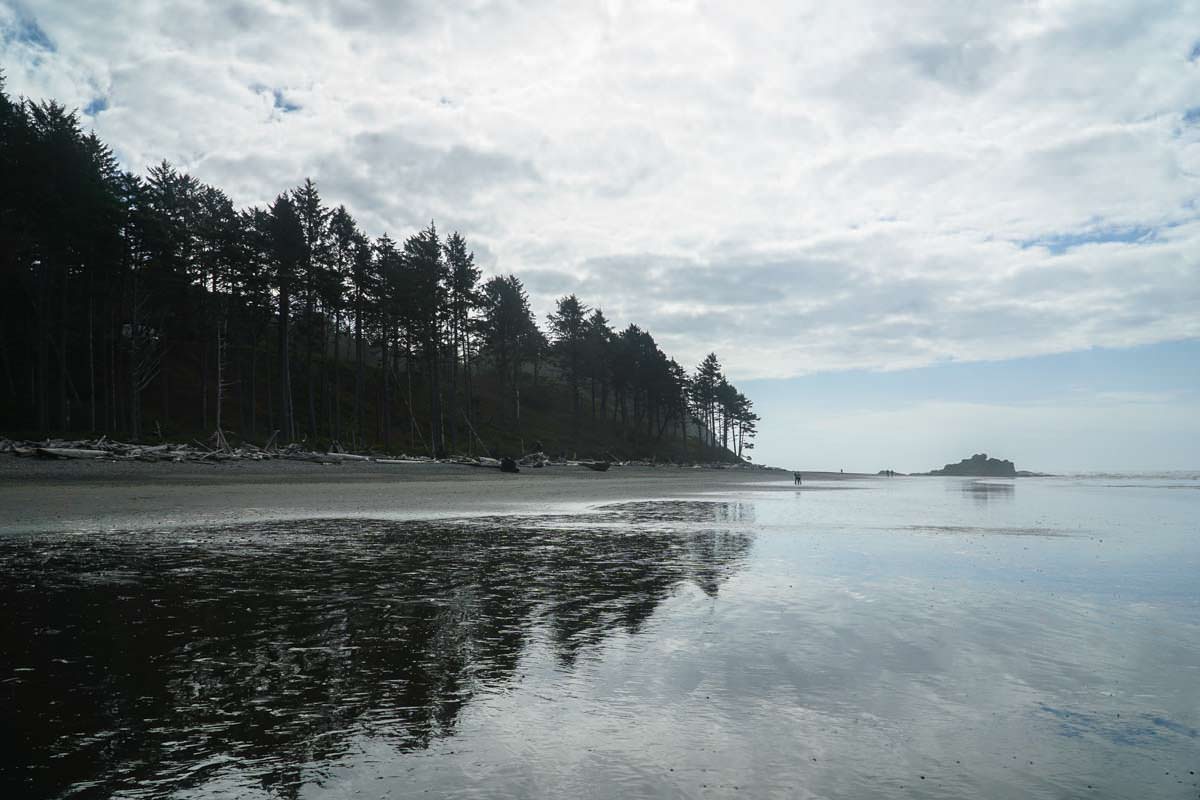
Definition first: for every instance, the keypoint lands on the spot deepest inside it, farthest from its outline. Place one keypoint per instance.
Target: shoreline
(39, 496)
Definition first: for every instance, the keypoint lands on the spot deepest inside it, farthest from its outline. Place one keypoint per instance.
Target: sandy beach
(279, 628)
(38, 495)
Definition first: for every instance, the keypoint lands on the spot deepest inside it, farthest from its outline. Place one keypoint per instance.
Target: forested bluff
(151, 308)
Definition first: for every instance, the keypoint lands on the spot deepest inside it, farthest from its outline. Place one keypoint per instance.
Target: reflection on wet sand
(147, 663)
(984, 492)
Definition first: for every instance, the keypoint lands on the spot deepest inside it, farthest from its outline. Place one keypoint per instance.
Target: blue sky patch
(27, 31)
(1059, 243)
(282, 103)
(97, 105)
(278, 101)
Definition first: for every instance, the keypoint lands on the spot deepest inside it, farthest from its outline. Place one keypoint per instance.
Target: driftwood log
(69, 452)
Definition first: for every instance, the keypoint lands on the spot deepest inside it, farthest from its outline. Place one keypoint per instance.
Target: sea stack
(980, 466)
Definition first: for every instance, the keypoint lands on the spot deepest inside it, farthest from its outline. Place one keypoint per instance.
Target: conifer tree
(569, 326)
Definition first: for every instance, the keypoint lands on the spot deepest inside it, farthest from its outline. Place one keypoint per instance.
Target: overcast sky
(813, 190)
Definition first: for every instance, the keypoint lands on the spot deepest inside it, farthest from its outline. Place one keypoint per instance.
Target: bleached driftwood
(346, 457)
(69, 452)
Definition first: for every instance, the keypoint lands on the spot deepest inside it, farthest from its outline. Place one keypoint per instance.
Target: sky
(911, 231)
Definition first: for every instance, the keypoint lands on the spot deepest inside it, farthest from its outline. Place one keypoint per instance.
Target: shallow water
(916, 637)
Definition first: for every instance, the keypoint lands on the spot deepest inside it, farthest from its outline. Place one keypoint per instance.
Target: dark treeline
(151, 306)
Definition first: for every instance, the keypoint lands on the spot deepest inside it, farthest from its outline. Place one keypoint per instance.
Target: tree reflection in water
(147, 663)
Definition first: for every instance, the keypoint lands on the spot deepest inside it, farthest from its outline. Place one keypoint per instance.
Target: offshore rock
(979, 466)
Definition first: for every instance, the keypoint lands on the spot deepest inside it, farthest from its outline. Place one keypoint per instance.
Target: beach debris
(69, 452)
(219, 449)
(534, 459)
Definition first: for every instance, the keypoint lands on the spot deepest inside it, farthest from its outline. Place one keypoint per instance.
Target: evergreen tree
(463, 299)
(287, 251)
(312, 280)
(130, 303)
(428, 277)
(509, 333)
(599, 345)
(569, 325)
(704, 394)
(344, 238)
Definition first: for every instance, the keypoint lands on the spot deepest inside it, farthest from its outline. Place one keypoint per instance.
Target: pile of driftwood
(218, 449)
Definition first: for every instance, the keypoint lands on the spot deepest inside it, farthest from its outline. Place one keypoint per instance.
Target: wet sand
(38, 495)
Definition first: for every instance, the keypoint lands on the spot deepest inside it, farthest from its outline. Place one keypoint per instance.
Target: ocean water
(906, 637)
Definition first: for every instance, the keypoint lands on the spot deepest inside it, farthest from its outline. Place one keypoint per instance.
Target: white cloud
(804, 187)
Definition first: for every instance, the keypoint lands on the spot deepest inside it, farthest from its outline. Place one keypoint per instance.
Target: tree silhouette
(569, 326)
(462, 298)
(509, 333)
(131, 304)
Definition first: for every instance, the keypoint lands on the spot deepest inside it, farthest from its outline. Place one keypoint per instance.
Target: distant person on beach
(797, 478)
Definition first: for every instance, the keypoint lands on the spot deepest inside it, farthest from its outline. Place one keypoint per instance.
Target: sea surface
(904, 637)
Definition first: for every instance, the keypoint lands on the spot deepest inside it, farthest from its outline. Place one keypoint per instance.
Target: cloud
(802, 187)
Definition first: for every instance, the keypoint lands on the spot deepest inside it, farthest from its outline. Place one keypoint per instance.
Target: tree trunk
(435, 405)
(452, 427)
(253, 418)
(135, 401)
(220, 374)
(285, 377)
(385, 407)
(271, 422)
(412, 414)
(113, 414)
(92, 362)
(165, 385)
(63, 373)
(359, 377)
(43, 350)
(203, 383)
(335, 407)
(308, 366)
(467, 386)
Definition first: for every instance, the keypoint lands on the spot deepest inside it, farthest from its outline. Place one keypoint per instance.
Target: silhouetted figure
(797, 478)
(508, 465)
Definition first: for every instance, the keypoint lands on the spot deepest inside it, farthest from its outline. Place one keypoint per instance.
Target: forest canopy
(150, 305)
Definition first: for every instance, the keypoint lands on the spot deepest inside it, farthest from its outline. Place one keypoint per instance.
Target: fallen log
(347, 457)
(69, 452)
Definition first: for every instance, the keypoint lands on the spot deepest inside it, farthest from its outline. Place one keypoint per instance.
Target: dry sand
(83, 496)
